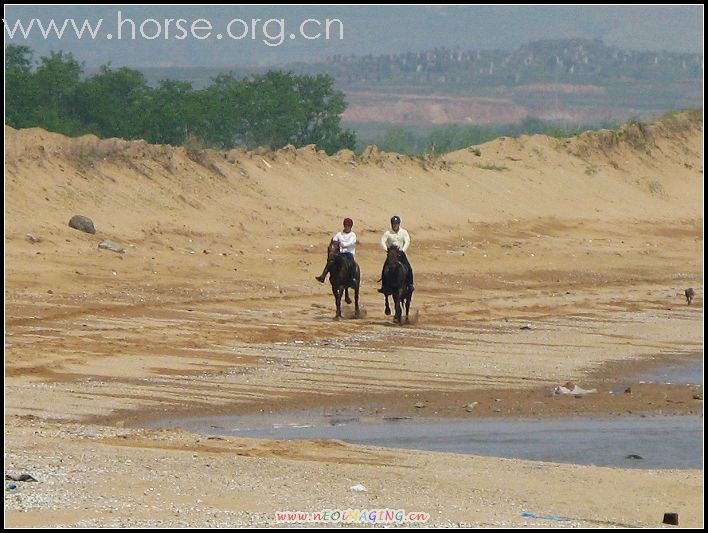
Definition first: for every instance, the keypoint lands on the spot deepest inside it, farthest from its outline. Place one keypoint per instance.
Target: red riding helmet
(348, 222)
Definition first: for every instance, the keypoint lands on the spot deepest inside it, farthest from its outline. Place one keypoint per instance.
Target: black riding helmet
(395, 220)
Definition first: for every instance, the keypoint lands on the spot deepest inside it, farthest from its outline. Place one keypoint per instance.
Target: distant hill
(568, 61)
(571, 80)
(574, 61)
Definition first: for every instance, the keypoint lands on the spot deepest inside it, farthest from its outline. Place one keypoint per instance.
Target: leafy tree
(277, 114)
(171, 112)
(18, 58)
(57, 76)
(112, 103)
(321, 108)
(273, 109)
(299, 110)
(20, 87)
(222, 109)
(56, 79)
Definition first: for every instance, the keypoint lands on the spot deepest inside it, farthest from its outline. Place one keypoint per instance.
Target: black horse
(343, 274)
(394, 278)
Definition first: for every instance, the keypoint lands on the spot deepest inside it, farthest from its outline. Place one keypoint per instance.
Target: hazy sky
(231, 35)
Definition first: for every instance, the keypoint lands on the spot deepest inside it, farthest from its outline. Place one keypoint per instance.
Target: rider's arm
(406, 241)
(384, 241)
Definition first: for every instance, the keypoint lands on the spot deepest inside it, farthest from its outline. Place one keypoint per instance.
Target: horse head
(394, 270)
(332, 249)
(392, 256)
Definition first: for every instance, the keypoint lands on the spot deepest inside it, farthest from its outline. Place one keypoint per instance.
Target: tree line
(575, 61)
(412, 140)
(272, 109)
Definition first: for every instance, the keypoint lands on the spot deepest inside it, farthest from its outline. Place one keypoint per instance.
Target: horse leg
(346, 296)
(408, 304)
(356, 301)
(388, 309)
(338, 300)
(397, 303)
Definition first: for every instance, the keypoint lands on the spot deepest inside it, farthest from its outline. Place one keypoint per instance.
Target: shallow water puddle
(649, 442)
(689, 371)
(627, 442)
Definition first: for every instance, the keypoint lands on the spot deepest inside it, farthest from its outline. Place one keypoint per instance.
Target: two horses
(344, 274)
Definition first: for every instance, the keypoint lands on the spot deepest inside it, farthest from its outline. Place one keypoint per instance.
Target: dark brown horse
(394, 278)
(343, 274)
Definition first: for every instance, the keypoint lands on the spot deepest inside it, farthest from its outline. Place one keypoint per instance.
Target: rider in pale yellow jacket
(399, 238)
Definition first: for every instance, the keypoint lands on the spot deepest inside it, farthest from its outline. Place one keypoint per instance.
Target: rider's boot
(381, 290)
(321, 277)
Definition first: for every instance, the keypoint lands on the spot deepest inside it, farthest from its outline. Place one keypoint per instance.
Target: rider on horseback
(347, 244)
(399, 238)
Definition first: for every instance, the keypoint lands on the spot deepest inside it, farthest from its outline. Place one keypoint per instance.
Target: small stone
(671, 519)
(109, 245)
(20, 477)
(82, 223)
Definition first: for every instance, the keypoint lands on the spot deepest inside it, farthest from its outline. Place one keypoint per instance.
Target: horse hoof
(348, 300)
(337, 318)
(388, 312)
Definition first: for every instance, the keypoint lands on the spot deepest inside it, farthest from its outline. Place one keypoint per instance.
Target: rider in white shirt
(399, 238)
(347, 244)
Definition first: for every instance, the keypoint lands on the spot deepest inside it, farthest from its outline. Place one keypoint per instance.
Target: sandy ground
(538, 261)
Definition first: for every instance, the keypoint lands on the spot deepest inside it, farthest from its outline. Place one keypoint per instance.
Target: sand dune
(637, 173)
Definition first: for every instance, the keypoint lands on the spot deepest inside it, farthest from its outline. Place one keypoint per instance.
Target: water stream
(653, 442)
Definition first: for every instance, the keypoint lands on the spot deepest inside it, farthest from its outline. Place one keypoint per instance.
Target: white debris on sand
(572, 388)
